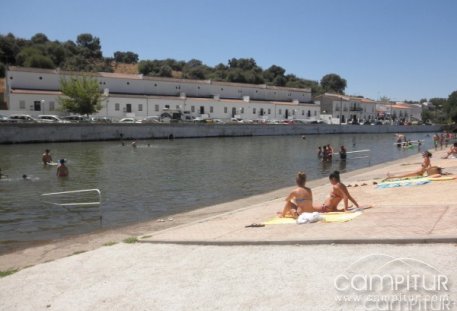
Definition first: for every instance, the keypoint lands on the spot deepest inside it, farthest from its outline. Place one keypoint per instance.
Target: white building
(36, 91)
(399, 111)
(346, 108)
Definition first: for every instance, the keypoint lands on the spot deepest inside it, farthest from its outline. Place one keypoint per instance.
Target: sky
(402, 49)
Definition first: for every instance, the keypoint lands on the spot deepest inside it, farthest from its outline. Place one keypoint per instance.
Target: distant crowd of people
(442, 140)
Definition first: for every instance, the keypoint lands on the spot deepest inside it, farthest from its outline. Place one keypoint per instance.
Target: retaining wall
(30, 133)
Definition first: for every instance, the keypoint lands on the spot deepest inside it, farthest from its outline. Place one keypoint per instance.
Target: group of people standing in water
(300, 200)
(325, 153)
(62, 169)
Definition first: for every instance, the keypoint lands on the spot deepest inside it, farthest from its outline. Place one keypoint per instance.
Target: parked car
(23, 118)
(75, 119)
(151, 119)
(100, 120)
(4, 119)
(129, 120)
(50, 118)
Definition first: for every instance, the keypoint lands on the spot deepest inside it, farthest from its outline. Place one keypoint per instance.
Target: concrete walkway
(215, 263)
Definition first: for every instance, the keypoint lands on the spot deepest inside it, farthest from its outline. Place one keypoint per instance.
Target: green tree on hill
(333, 83)
(80, 95)
(451, 107)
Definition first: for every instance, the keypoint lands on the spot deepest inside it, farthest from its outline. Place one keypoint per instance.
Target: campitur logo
(383, 282)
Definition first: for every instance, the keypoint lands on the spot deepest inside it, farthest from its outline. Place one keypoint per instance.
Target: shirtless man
(62, 170)
(339, 192)
(300, 200)
(46, 157)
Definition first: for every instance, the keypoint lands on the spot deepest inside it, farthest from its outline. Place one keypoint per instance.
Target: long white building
(35, 91)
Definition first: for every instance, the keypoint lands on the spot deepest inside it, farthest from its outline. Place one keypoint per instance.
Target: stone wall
(30, 133)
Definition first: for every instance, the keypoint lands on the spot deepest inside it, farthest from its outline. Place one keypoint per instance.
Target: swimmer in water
(46, 157)
(62, 170)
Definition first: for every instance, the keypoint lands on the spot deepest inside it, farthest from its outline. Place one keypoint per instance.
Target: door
(37, 105)
(128, 108)
(202, 109)
(233, 112)
(287, 113)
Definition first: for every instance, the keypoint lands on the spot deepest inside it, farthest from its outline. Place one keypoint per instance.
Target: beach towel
(280, 221)
(403, 183)
(340, 216)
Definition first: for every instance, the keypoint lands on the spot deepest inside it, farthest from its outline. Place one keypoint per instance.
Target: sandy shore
(206, 259)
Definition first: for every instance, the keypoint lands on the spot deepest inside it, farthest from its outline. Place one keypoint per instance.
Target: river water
(160, 177)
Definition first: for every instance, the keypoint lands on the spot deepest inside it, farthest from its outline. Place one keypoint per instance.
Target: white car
(51, 118)
(129, 120)
(151, 119)
(23, 118)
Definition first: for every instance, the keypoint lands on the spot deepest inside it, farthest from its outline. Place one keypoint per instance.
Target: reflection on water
(162, 177)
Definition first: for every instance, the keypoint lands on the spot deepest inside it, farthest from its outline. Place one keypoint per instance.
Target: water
(164, 177)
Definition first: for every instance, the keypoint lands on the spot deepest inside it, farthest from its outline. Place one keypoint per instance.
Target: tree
(333, 83)
(89, 46)
(80, 95)
(165, 71)
(451, 106)
(39, 38)
(126, 57)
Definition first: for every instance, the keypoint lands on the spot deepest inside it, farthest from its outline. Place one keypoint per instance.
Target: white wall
(215, 108)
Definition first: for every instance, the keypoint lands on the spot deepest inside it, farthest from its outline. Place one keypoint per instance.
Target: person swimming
(300, 200)
(339, 193)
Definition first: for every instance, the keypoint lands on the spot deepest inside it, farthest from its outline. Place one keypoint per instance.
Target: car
(129, 120)
(75, 119)
(151, 119)
(100, 120)
(4, 119)
(22, 118)
(50, 118)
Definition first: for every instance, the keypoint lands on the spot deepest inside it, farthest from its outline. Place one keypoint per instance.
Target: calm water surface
(164, 177)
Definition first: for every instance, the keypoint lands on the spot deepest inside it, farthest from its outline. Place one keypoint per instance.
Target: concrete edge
(349, 241)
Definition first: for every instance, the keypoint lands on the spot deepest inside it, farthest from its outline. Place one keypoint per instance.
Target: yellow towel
(340, 216)
(280, 221)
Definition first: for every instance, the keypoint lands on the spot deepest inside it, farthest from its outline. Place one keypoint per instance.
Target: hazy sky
(403, 49)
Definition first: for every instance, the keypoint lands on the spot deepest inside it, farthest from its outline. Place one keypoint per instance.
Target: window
(253, 110)
(156, 107)
(269, 111)
(225, 109)
(140, 107)
(167, 106)
(303, 112)
(242, 110)
(192, 108)
(211, 109)
(117, 106)
(315, 113)
(178, 107)
(51, 106)
(22, 104)
(280, 111)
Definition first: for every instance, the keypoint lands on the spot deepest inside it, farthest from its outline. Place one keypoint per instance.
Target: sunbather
(426, 164)
(300, 200)
(452, 152)
(339, 192)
